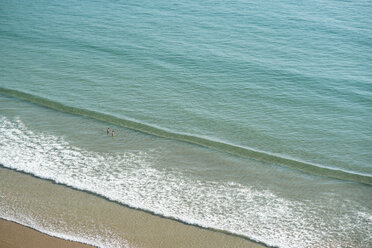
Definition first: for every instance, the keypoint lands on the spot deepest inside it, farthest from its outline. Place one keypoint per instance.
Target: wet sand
(88, 216)
(13, 235)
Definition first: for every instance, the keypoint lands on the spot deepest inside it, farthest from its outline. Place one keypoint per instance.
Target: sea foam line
(44, 156)
(130, 179)
(271, 158)
(52, 158)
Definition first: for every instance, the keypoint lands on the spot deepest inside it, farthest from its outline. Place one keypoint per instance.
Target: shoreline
(15, 235)
(135, 228)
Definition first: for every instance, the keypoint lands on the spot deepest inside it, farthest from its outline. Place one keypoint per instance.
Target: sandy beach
(13, 235)
(83, 215)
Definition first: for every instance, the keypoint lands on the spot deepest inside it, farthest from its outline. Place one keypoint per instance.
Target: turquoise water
(280, 90)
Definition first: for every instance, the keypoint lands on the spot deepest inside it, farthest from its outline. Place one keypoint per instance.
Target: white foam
(132, 179)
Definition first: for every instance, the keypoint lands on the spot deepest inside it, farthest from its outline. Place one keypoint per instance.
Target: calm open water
(247, 117)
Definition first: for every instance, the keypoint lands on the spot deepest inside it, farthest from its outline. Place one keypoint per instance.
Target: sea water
(246, 117)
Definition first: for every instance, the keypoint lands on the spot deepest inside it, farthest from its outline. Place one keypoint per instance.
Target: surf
(246, 152)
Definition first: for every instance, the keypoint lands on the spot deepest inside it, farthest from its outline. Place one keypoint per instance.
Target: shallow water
(182, 181)
(250, 118)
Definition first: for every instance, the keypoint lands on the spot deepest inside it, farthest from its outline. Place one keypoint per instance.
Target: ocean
(249, 118)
